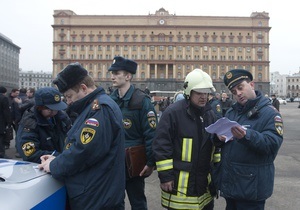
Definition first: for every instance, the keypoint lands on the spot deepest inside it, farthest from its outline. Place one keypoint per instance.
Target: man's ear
(83, 87)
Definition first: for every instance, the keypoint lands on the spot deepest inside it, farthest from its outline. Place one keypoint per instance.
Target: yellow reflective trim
(164, 165)
(185, 202)
(183, 183)
(186, 154)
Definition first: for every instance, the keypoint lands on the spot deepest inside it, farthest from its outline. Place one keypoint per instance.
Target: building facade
(278, 84)
(165, 46)
(293, 85)
(37, 80)
(9, 63)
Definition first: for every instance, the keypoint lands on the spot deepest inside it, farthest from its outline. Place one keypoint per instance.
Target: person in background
(43, 128)
(16, 115)
(178, 96)
(183, 149)
(215, 105)
(147, 91)
(139, 119)
(226, 103)
(218, 96)
(275, 101)
(92, 163)
(5, 119)
(246, 172)
(22, 94)
(28, 102)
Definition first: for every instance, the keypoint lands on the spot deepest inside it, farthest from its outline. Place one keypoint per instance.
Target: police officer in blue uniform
(139, 118)
(43, 128)
(215, 105)
(247, 169)
(92, 163)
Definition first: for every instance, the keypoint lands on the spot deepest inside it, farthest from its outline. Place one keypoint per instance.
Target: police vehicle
(24, 186)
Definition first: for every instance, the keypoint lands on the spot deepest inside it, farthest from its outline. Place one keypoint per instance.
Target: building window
(82, 47)
(260, 67)
(143, 47)
(152, 48)
(143, 75)
(260, 77)
(91, 47)
(178, 75)
(99, 48)
(161, 48)
(134, 48)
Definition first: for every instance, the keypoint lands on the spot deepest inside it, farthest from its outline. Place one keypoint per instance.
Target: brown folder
(135, 160)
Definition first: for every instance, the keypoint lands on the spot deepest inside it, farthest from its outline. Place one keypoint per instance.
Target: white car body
(282, 101)
(24, 186)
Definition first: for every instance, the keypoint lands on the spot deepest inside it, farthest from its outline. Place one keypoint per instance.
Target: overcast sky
(28, 23)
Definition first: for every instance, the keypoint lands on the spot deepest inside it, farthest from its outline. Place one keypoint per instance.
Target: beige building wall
(165, 46)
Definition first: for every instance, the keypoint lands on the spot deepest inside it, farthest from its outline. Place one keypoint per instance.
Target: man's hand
(167, 186)
(238, 132)
(147, 170)
(45, 162)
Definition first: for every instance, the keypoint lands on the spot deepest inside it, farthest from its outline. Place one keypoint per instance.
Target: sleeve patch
(92, 122)
(28, 148)
(87, 135)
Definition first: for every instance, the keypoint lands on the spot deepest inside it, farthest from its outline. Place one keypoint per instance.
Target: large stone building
(278, 84)
(166, 46)
(293, 85)
(37, 80)
(9, 63)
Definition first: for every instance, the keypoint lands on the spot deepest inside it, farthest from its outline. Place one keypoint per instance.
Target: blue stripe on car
(56, 201)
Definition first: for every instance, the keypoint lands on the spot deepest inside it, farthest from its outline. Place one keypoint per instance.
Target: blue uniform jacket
(139, 124)
(247, 165)
(37, 136)
(92, 164)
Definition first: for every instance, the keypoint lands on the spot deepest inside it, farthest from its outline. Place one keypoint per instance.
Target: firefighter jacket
(139, 119)
(247, 164)
(183, 153)
(92, 164)
(39, 136)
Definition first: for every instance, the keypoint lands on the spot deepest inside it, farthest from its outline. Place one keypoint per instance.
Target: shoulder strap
(137, 99)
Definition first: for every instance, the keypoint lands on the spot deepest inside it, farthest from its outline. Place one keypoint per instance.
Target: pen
(53, 153)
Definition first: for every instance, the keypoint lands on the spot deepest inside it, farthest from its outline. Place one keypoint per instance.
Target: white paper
(222, 127)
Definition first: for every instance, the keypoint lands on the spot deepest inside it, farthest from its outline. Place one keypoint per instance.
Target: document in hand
(223, 127)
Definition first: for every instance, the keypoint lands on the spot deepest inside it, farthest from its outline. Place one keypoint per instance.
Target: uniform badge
(92, 122)
(278, 125)
(56, 98)
(28, 148)
(87, 135)
(218, 108)
(152, 122)
(228, 75)
(68, 145)
(95, 105)
(151, 119)
(127, 123)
